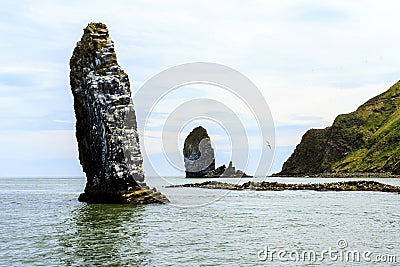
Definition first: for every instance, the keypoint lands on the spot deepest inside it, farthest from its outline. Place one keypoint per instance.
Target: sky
(311, 60)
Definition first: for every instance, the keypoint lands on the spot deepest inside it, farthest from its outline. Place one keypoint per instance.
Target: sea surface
(43, 224)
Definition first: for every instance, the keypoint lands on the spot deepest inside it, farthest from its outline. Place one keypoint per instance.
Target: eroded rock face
(199, 158)
(198, 153)
(106, 128)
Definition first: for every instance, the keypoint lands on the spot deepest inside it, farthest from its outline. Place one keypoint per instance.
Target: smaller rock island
(199, 158)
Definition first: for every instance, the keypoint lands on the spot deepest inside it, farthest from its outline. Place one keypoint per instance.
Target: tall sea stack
(106, 128)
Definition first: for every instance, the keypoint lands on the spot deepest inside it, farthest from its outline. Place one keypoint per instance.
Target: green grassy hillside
(366, 140)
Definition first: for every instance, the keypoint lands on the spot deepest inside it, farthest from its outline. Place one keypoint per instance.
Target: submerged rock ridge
(366, 141)
(199, 158)
(106, 129)
(275, 186)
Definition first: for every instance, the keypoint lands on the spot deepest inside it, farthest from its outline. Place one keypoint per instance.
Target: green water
(42, 224)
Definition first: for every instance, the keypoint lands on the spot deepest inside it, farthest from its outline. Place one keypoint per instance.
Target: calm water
(42, 224)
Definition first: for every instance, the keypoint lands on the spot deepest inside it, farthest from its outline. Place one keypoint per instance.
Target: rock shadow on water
(104, 233)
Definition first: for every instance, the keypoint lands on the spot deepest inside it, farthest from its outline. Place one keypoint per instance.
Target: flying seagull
(269, 145)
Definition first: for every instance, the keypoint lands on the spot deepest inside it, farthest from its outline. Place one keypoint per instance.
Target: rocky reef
(363, 142)
(199, 158)
(226, 172)
(106, 129)
(275, 186)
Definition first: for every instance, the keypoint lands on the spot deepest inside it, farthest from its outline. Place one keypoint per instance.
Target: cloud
(311, 60)
(317, 13)
(35, 145)
(64, 121)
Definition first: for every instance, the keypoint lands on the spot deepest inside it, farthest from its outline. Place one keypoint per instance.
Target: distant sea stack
(198, 153)
(199, 157)
(364, 141)
(106, 130)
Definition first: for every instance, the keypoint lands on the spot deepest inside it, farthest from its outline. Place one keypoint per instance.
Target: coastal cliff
(364, 141)
(106, 130)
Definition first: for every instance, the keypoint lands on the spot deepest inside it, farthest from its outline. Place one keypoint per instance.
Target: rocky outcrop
(309, 151)
(226, 172)
(275, 186)
(198, 153)
(199, 158)
(106, 130)
(362, 142)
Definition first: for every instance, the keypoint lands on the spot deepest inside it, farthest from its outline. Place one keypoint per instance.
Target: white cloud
(310, 100)
(34, 145)
(311, 60)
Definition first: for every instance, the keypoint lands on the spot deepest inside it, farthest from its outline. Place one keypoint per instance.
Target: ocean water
(43, 224)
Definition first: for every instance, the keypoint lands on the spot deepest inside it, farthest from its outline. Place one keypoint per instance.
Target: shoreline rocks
(276, 186)
(106, 129)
